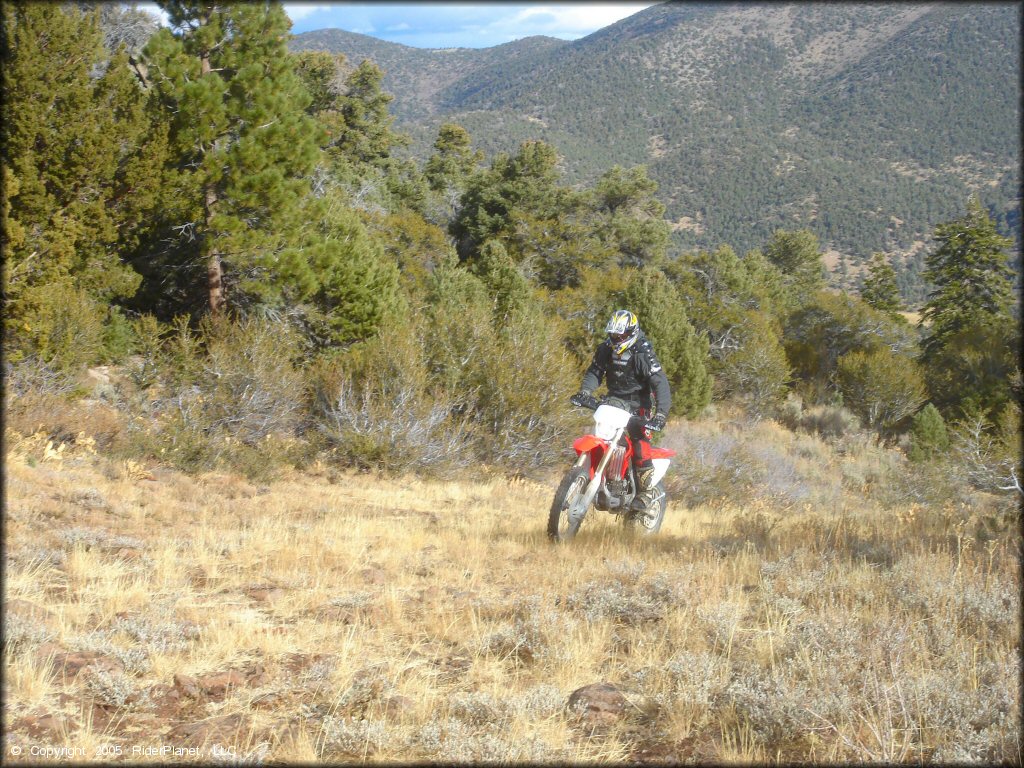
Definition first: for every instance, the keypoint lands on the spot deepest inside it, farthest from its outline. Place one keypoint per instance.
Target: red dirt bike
(603, 475)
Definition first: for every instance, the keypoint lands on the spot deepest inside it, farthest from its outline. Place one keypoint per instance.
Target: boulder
(265, 593)
(598, 705)
(44, 726)
(68, 665)
(225, 730)
(398, 707)
(218, 684)
(187, 687)
(215, 686)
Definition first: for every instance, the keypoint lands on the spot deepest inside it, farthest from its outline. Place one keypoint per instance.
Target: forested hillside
(244, 235)
(863, 123)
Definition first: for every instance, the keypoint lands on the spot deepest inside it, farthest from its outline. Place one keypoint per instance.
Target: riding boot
(646, 493)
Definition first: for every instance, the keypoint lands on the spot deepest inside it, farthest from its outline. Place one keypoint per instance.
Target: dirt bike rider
(627, 360)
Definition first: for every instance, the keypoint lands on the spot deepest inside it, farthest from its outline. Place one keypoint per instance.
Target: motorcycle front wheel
(573, 485)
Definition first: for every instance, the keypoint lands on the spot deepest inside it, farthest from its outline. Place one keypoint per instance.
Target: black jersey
(634, 375)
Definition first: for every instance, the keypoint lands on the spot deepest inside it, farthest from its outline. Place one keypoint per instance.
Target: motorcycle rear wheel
(649, 522)
(573, 485)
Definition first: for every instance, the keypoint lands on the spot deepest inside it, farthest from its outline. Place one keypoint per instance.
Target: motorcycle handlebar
(592, 403)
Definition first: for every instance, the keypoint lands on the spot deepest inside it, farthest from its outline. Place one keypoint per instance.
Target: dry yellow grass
(406, 620)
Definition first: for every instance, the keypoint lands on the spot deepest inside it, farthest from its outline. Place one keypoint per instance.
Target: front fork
(582, 504)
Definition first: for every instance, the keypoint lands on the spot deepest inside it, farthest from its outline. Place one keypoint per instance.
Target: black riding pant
(641, 444)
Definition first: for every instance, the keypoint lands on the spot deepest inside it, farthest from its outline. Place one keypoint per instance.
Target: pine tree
(453, 161)
(797, 256)
(363, 143)
(585, 308)
(139, 135)
(340, 278)
(974, 368)
(449, 169)
(510, 291)
(360, 142)
(242, 144)
(462, 337)
(880, 386)
(754, 369)
(880, 288)
(716, 277)
(832, 325)
(768, 291)
(365, 135)
(526, 183)
(56, 150)
(321, 75)
(79, 151)
(630, 217)
(717, 292)
(548, 229)
(971, 275)
(694, 385)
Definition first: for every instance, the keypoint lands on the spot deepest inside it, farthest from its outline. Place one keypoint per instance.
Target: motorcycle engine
(613, 498)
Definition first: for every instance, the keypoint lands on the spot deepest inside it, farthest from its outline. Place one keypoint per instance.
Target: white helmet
(623, 330)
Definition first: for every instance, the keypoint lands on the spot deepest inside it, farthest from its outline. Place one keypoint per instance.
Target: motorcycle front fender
(587, 443)
(592, 445)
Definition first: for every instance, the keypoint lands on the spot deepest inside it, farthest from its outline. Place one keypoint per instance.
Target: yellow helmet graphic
(623, 330)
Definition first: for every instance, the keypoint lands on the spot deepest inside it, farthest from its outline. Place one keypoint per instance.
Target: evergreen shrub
(233, 390)
(118, 336)
(828, 421)
(59, 324)
(880, 386)
(378, 409)
(757, 372)
(928, 436)
(524, 380)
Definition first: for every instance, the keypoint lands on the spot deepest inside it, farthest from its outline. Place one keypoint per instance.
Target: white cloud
(578, 18)
(568, 21)
(298, 11)
(295, 11)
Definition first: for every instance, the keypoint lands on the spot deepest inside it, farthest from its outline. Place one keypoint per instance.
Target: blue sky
(457, 25)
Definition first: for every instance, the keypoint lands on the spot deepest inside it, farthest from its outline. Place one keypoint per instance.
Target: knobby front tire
(574, 484)
(648, 523)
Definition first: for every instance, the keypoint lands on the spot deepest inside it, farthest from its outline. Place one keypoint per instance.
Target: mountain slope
(866, 123)
(416, 76)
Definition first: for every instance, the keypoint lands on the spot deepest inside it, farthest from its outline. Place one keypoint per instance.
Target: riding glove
(580, 398)
(657, 423)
